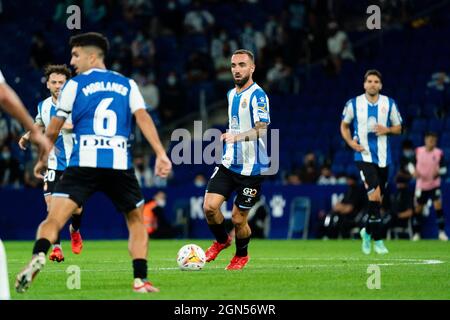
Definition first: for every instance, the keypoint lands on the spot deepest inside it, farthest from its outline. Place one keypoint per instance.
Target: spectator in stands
(293, 179)
(279, 77)
(144, 174)
(197, 67)
(94, 10)
(222, 66)
(439, 81)
(326, 176)
(172, 17)
(172, 98)
(308, 172)
(198, 20)
(219, 41)
(40, 53)
(339, 46)
(143, 51)
(10, 171)
(252, 40)
(341, 220)
(149, 91)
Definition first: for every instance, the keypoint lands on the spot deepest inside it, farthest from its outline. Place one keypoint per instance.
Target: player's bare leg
(215, 219)
(60, 212)
(56, 254)
(138, 248)
(243, 233)
(440, 219)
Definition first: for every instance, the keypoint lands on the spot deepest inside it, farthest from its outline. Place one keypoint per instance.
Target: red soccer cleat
(56, 255)
(214, 250)
(77, 241)
(237, 263)
(143, 286)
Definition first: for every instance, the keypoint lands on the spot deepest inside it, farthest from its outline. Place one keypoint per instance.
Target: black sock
(374, 222)
(242, 246)
(417, 223)
(440, 219)
(41, 245)
(219, 232)
(76, 221)
(58, 241)
(140, 268)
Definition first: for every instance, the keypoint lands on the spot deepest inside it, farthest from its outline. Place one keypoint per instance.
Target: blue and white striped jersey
(365, 116)
(59, 156)
(247, 158)
(102, 103)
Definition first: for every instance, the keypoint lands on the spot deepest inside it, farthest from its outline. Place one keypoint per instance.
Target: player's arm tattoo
(258, 131)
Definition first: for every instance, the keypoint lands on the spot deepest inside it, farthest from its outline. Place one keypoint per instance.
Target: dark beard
(242, 82)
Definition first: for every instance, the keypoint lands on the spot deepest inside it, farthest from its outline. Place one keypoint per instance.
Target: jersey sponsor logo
(92, 141)
(250, 192)
(234, 123)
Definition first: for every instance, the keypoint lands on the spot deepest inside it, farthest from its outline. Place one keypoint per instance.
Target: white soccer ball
(191, 257)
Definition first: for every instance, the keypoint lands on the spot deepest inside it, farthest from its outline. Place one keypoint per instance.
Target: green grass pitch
(278, 269)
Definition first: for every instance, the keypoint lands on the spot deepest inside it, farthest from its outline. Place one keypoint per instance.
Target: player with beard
(243, 164)
(375, 117)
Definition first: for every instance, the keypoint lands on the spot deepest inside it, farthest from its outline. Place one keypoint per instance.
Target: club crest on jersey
(244, 104)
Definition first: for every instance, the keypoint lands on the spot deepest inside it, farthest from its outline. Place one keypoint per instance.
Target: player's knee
(239, 220)
(210, 209)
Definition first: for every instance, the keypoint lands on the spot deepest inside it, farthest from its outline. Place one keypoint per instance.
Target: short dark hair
(94, 39)
(247, 52)
(57, 68)
(431, 134)
(373, 72)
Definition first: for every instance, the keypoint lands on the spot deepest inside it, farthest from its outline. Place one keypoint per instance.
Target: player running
(374, 117)
(243, 163)
(14, 106)
(430, 166)
(59, 156)
(102, 103)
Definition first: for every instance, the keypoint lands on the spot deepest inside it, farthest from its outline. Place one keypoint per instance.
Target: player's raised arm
(163, 165)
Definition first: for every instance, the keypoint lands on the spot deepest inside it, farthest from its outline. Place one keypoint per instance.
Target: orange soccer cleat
(237, 263)
(143, 286)
(56, 255)
(214, 250)
(77, 241)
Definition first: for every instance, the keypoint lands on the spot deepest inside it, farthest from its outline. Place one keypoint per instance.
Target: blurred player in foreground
(14, 106)
(102, 104)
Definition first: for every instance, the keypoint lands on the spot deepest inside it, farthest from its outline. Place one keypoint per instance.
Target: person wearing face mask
(154, 218)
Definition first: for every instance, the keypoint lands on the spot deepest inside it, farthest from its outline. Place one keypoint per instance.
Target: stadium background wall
(23, 210)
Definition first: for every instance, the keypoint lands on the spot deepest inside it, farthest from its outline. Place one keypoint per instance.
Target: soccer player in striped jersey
(374, 117)
(243, 164)
(14, 106)
(102, 104)
(430, 166)
(59, 156)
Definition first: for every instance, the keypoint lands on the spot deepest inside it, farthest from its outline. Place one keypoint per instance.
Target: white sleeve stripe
(67, 97)
(136, 100)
